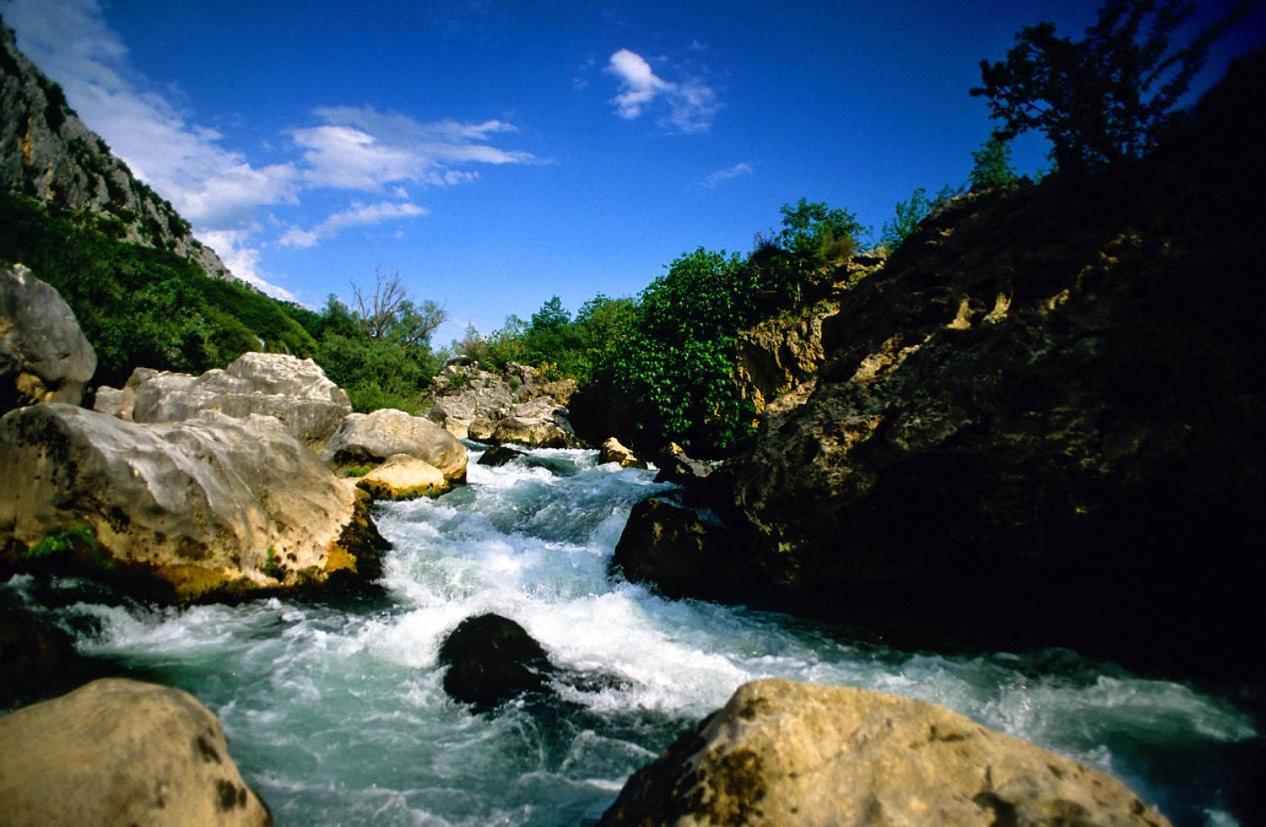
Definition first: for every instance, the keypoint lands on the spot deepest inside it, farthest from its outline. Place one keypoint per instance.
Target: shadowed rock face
(790, 753)
(44, 357)
(208, 507)
(121, 752)
(1039, 423)
(491, 660)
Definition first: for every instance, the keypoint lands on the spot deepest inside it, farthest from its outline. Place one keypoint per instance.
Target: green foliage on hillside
(666, 359)
(139, 306)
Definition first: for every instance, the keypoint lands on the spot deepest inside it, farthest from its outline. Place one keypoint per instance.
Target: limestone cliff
(47, 153)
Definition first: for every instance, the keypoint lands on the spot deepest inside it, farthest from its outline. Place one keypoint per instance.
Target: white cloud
(217, 189)
(360, 148)
(243, 260)
(722, 175)
(691, 104)
(358, 214)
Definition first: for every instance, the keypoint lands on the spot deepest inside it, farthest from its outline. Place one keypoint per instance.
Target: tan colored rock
(540, 423)
(120, 752)
(471, 402)
(791, 753)
(613, 451)
(209, 507)
(403, 477)
(44, 356)
(295, 391)
(374, 437)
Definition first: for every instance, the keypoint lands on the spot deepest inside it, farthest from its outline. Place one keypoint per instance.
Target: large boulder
(789, 753)
(44, 356)
(465, 394)
(208, 507)
(684, 552)
(295, 391)
(491, 660)
(540, 423)
(403, 477)
(118, 752)
(373, 437)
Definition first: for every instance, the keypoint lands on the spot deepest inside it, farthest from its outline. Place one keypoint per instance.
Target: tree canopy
(1107, 97)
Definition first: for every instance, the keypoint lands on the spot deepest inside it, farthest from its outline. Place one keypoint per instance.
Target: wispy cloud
(360, 148)
(691, 104)
(358, 214)
(723, 175)
(357, 149)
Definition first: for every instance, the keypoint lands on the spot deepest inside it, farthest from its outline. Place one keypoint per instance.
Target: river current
(336, 715)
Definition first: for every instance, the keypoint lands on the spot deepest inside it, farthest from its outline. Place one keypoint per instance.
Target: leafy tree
(910, 213)
(816, 233)
(991, 164)
(677, 371)
(1105, 98)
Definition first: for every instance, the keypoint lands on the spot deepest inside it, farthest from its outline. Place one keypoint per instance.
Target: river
(336, 715)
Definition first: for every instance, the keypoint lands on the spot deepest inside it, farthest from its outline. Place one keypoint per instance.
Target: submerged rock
(374, 437)
(403, 477)
(121, 752)
(209, 507)
(499, 455)
(790, 753)
(295, 391)
(44, 356)
(491, 660)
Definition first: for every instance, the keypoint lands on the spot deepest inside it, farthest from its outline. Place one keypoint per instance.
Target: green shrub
(60, 541)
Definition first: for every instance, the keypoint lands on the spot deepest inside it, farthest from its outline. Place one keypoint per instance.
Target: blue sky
(496, 154)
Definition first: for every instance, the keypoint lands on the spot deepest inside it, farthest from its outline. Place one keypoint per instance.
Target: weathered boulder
(403, 477)
(44, 356)
(499, 455)
(295, 391)
(491, 660)
(374, 437)
(471, 402)
(790, 753)
(118, 752)
(684, 552)
(540, 423)
(613, 451)
(207, 507)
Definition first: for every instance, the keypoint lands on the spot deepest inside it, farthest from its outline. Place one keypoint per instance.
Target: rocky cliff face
(47, 153)
(1040, 421)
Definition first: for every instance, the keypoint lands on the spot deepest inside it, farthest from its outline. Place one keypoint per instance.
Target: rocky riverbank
(1036, 424)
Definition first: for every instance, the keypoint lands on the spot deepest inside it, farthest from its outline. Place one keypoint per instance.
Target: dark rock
(499, 455)
(491, 660)
(684, 553)
(1047, 407)
(675, 466)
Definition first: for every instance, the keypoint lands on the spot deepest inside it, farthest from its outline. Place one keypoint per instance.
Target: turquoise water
(336, 716)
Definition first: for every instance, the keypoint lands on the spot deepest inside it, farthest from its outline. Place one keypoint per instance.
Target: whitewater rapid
(336, 716)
